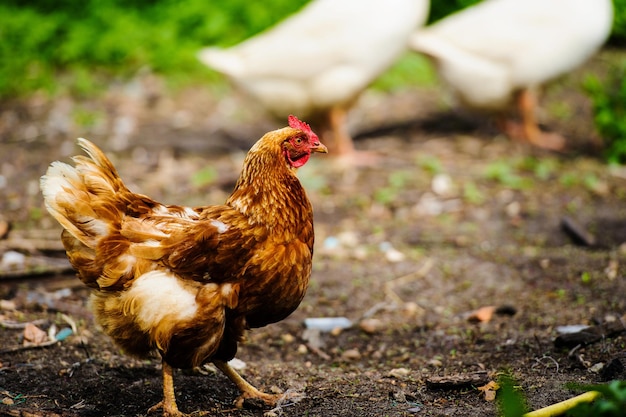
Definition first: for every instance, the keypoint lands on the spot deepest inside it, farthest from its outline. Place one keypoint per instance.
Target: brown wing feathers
(113, 235)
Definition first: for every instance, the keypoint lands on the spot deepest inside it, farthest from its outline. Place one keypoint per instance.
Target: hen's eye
(298, 140)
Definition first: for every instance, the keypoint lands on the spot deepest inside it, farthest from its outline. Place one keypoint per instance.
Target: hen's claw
(251, 395)
(167, 411)
(259, 399)
(174, 412)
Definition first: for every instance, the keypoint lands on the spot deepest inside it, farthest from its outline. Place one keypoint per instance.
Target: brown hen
(189, 281)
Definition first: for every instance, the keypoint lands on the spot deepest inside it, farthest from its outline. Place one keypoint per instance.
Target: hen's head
(299, 142)
(289, 147)
(272, 161)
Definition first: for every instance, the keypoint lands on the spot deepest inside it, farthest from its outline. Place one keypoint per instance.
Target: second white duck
(498, 51)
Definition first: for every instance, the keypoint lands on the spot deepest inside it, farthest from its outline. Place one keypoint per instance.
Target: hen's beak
(319, 147)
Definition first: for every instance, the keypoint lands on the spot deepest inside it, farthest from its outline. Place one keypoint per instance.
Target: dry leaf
(489, 389)
(33, 335)
(482, 315)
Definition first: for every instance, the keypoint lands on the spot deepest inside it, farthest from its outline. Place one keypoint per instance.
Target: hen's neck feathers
(268, 191)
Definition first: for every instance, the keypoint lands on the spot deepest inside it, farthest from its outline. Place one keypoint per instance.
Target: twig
(27, 412)
(413, 276)
(27, 347)
(560, 408)
(540, 361)
(319, 352)
(458, 381)
(16, 326)
(375, 309)
(576, 232)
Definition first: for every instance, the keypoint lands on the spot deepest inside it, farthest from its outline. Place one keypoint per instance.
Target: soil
(451, 217)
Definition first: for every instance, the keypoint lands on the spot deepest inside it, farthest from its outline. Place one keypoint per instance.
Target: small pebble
(411, 309)
(597, 368)
(399, 372)
(12, 259)
(391, 253)
(428, 205)
(7, 305)
(349, 239)
(441, 184)
(435, 362)
(351, 355)
(370, 326)
(394, 255)
(275, 390)
(336, 331)
(287, 338)
(513, 209)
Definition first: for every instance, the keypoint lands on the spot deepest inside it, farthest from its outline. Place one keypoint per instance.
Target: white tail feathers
(73, 195)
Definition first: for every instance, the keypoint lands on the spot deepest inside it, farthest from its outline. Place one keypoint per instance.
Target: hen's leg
(527, 103)
(247, 390)
(168, 404)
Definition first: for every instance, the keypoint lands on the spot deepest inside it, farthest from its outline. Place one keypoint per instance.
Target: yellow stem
(560, 408)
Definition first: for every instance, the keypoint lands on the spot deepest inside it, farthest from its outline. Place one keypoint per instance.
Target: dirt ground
(451, 218)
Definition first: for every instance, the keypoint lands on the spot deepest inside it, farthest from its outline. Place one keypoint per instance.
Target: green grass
(71, 45)
(410, 69)
(609, 109)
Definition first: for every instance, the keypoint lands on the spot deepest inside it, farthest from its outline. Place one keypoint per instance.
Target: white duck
(495, 52)
(316, 62)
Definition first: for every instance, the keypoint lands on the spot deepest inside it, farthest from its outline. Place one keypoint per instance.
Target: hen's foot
(170, 411)
(250, 396)
(258, 400)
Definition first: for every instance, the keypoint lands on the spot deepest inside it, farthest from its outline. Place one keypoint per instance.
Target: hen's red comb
(296, 123)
